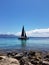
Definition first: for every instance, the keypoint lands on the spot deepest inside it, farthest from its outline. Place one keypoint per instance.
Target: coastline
(24, 57)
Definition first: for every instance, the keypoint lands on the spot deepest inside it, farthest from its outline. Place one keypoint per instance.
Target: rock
(24, 61)
(40, 62)
(46, 58)
(1, 58)
(45, 63)
(9, 61)
(14, 61)
(37, 59)
(11, 54)
(32, 53)
(39, 54)
(19, 56)
(29, 63)
(34, 61)
(25, 58)
(25, 53)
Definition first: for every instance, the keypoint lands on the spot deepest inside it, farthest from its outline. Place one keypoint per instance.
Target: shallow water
(30, 44)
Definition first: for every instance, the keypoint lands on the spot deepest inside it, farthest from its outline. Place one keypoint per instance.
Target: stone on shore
(8, 61)
(19, 56)
(45, 62)
(25, 58)
(25, 61)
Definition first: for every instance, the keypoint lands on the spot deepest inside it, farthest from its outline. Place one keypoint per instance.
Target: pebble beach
(24, 58)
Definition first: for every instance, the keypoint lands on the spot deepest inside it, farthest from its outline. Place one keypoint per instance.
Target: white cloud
(32, 33)
(18, 33)
(37, 33)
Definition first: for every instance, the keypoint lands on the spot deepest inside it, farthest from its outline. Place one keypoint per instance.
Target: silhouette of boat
(23, 35)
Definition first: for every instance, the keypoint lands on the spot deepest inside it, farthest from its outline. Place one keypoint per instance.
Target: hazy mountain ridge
(7, 35)
(12, 35)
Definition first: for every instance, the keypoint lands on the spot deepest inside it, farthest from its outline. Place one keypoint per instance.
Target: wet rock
(33, 61)
(24, 61)
(19, 56)
(32, 53)
(25, 53)
(47, 56)
(11, 54)
(37, 59)
(25, 58)
(40, 63)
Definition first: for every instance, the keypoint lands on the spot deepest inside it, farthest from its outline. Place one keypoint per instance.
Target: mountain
(7, 35)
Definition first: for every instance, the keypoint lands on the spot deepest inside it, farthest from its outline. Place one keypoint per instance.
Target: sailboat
(23, 35)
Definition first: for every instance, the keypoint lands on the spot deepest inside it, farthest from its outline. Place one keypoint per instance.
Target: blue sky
(33, 14)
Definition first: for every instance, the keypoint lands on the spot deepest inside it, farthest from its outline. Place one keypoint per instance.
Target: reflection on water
(23, 44)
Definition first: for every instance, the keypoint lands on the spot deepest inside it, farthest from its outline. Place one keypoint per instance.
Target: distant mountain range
(12, 35)
(7, 35)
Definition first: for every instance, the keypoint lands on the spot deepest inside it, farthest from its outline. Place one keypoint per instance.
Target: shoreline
(21, 50)
(25, 57)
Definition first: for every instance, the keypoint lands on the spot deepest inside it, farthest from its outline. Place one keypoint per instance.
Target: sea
(33, 43)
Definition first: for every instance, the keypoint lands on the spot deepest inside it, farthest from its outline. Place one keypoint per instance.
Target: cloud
(32, 33)
(18, 34)
(36, 33)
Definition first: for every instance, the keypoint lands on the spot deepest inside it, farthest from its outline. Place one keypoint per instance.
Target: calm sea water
(32, 43)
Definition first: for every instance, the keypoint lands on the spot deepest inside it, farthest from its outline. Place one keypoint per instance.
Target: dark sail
(23, 35)
(23, 32)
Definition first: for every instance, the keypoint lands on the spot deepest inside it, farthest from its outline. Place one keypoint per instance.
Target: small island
(23, 35)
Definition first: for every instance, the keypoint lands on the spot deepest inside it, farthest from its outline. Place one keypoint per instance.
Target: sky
(33, 14)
